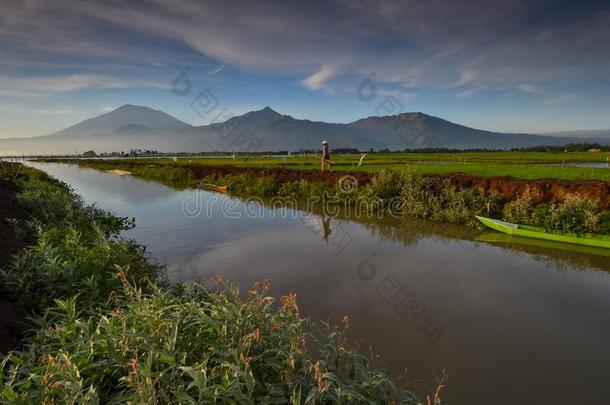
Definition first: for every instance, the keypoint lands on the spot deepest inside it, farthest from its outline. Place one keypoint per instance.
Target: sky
(513, 66)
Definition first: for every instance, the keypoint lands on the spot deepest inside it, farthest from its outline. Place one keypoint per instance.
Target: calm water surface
(512, 323)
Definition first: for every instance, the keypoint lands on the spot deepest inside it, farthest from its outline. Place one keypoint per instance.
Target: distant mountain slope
(126, 115)
(272, 131)
(267, 130)
(418, 130)
(135, 127)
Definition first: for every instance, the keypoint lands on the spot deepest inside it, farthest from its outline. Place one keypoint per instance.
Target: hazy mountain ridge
(137, 127)
(591, 133)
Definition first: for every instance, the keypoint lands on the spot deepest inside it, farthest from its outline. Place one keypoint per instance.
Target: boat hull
(538, 233)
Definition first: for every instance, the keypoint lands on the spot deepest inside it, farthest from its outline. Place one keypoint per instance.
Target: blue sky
(518, 66)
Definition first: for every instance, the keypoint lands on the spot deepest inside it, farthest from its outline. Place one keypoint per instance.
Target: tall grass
(194, 346)
(77, 250)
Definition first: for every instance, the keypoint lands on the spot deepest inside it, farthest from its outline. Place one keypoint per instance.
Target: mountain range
(138, 127)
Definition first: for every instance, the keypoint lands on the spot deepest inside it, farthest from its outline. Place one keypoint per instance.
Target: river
(510, 322)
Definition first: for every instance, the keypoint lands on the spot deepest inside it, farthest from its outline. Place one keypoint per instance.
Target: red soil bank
(544, 190)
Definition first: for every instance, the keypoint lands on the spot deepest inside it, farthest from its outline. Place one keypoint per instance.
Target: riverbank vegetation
(109, 329)
(404, 193)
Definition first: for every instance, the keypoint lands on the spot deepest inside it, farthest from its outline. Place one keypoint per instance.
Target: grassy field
(521, 165)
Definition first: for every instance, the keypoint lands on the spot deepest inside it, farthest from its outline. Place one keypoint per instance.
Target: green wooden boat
(527, 231)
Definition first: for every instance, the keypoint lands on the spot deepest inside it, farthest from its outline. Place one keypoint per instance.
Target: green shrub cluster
(573, 215)
(435, 198)
(194, 346)
(77, 250)
(430, 197)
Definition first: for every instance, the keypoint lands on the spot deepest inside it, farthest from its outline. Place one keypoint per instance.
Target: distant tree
(89, 153)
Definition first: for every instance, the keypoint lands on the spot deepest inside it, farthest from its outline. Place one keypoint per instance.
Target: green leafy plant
(575, 215)
(193, 346)
(519, 211)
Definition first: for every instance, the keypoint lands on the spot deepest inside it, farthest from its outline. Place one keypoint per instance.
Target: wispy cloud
(466, 93)
(467, 76)
(17, 86)
(398, 93)
(216, 70)
(414, 43)
(529, 88)
(27, 86)
(318, 80)
(561, 98)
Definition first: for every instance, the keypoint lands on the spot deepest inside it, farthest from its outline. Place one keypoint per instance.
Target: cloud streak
(40, 85)
(318, 80)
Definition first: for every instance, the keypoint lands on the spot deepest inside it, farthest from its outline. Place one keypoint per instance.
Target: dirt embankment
(545, 190)
(12, 319)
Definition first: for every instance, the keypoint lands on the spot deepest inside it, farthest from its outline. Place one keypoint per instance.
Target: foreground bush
(77, 252)
(192, 347)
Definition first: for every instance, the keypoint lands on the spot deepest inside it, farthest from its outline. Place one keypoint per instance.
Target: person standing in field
(325, 156)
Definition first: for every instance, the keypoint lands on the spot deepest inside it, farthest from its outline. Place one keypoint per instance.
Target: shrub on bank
(66, 261)
(77, 251)
(430, 197)
(196, 346)
(575, 215)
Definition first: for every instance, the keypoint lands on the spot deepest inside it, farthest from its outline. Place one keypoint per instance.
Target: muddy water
(513, 323)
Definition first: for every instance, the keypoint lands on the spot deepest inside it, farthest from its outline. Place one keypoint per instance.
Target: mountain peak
(127, 114)
(258, 117)
(268, 111)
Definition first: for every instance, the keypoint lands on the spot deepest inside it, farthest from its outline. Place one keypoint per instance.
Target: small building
(596, 150)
